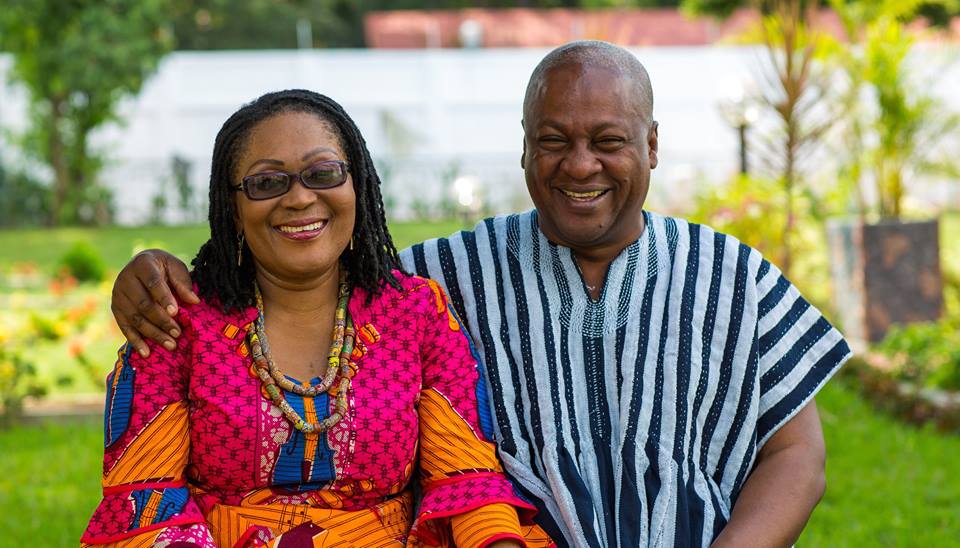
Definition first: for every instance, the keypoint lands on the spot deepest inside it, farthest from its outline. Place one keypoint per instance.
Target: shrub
(925, 353)
(751, 208)
(83, 262)
(23, 201)
(18, 380)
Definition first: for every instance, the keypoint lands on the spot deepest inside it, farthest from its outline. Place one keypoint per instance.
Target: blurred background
(824, 133)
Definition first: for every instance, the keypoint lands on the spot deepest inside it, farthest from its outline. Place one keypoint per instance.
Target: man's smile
(585, 196)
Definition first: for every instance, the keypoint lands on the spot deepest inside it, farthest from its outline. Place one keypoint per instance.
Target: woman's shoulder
(410, 292)
(208, 314)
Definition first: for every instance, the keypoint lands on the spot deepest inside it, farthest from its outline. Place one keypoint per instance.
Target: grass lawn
(888, 484)
(51, 482)
(44, 247)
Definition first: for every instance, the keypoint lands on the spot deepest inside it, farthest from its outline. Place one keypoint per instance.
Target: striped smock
(636, 418)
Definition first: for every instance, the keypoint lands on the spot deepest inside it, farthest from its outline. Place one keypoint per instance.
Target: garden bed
(909, 401)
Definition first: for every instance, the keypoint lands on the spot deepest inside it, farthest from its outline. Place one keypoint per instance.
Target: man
(651, 380)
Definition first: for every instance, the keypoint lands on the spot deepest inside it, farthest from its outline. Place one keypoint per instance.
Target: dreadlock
(369, 263)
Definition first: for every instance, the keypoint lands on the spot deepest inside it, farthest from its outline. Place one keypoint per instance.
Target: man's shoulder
(484, 228)
(741, 254)
(668, 225)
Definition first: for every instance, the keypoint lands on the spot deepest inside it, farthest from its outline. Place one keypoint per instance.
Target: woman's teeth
(305, 228)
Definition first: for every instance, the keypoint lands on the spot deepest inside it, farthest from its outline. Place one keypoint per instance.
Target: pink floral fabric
(233, 454)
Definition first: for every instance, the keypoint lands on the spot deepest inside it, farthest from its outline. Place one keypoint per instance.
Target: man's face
(587, 156)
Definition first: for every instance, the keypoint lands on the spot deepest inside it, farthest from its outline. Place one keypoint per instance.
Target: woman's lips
(301, 232)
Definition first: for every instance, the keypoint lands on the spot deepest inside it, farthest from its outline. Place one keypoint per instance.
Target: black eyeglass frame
(290, 177)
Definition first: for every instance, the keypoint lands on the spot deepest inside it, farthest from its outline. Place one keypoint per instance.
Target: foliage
(724, 8)
(18, 381)
(20, 369)
(23, 336)
(925, 353)
(83, 262)
(23, 201)
(796, 93)
(895, 139)
(749, 209)
(78, 60)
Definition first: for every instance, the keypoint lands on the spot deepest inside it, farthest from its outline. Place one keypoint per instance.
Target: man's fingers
(135, 323)
(151, 331)
(133, 338)
(134, 327)
(155, 280)
(179, 278)
(151, 318)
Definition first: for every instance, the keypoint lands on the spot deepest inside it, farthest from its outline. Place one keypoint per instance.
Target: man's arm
(142, 303)
(787, 482)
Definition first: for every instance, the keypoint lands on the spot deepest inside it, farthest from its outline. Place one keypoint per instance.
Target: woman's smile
(302, 230)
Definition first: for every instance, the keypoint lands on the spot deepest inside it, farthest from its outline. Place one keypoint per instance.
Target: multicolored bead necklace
(274, 382)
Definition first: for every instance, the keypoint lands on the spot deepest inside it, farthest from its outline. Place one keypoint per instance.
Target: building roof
(522, 27)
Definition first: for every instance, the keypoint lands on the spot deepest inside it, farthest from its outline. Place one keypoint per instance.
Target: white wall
(455, 107)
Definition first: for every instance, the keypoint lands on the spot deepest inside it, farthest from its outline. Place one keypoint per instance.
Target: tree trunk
(56, 151)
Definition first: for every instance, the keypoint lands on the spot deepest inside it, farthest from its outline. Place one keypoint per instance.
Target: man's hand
(785, 485)
(142, 303)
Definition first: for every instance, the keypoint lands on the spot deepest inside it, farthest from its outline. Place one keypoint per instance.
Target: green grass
(51, 482)
(888, 484)
(44, 247)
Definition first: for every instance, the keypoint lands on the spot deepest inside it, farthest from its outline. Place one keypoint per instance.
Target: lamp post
(467, 192)
(739, 111)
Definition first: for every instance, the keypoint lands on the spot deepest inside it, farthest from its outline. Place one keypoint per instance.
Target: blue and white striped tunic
(634, 419)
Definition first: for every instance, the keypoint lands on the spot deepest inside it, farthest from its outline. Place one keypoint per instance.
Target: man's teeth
(293, 229)
(583, 195)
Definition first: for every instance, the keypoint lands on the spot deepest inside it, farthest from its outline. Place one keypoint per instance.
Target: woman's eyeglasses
(270, 184)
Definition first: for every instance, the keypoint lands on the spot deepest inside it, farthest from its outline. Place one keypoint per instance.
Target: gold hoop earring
(240, 241)
(351, 243)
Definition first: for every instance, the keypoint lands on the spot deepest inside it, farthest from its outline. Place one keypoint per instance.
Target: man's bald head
(593, 54)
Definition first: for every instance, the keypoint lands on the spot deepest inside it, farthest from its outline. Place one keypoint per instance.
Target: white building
(429, 116)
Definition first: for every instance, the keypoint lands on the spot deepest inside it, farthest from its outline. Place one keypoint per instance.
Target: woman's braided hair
(369, 263)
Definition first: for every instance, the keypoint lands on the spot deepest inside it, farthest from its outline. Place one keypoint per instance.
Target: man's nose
(580, 162)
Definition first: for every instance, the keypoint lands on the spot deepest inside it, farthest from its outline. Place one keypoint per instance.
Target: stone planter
(883, 274)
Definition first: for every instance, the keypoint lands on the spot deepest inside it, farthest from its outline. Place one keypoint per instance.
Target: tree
(78, 59)
(793, 92)
(898, 137)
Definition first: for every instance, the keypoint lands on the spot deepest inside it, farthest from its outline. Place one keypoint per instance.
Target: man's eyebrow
(549, 123)
(609, 125)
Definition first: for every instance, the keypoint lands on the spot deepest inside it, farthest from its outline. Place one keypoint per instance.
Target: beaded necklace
(274, 382)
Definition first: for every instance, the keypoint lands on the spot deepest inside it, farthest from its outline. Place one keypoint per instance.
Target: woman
(309, 376)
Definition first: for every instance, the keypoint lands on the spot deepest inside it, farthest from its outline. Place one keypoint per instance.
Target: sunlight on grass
(888, 484)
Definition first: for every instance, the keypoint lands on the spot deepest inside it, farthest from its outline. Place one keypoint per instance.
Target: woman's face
(299, 235)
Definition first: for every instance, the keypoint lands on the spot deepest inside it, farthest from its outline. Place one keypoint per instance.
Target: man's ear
(523, 155)
(653, 143)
